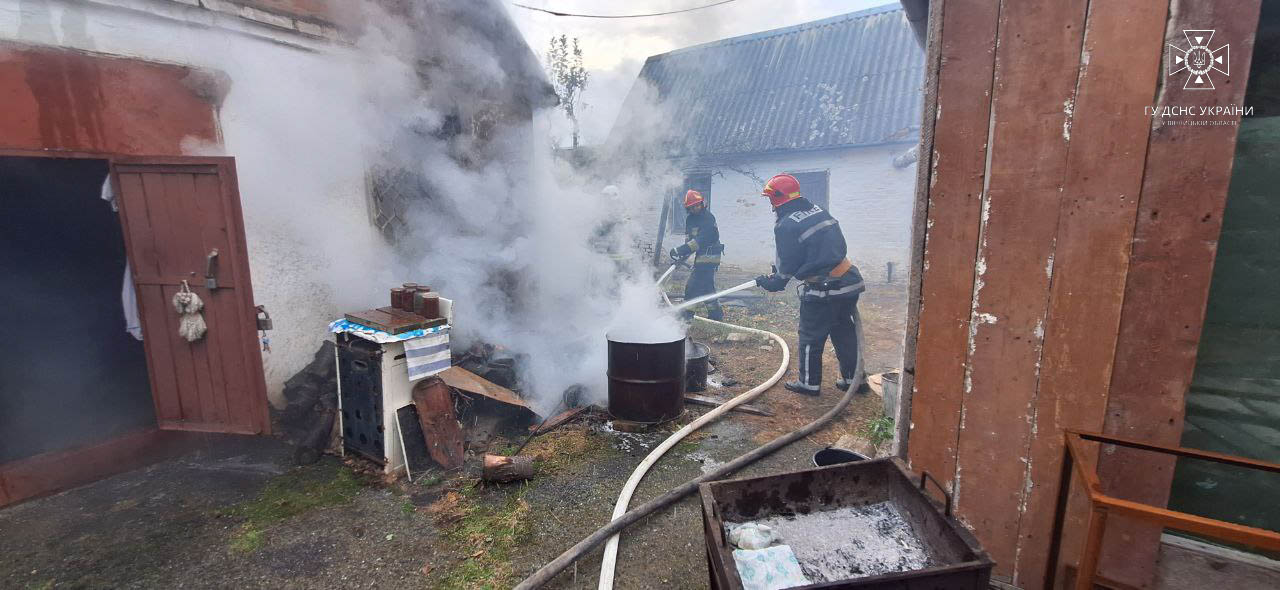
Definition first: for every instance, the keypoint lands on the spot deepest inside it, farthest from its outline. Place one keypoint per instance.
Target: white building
(836, 102)
(155, 97)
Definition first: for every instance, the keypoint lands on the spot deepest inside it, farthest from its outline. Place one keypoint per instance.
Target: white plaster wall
(871, 199)
(312, 251)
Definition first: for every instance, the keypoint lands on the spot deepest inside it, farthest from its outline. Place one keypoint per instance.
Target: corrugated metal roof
(844, 81)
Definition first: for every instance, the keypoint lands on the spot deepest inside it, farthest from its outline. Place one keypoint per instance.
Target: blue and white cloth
(771, 568)
(376, 335)
(427, 355)
(426, 350)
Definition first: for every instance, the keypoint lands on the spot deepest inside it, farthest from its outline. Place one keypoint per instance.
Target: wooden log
(439, 421)
(505, 469)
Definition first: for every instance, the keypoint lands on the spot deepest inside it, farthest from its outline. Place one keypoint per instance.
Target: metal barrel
(696, 366)
(646, 380)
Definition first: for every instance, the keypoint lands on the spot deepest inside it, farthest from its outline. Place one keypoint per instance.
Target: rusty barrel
(646, 379)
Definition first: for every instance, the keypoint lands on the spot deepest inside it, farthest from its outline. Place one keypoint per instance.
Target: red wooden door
(175, 212)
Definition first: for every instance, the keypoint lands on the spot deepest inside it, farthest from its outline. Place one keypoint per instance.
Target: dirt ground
(238, 514)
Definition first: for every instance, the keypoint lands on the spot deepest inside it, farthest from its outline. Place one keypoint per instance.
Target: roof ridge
(864, 13)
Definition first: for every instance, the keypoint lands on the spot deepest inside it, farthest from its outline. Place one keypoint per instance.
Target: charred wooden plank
(558, 420)
(464, 380)
(703, 400)
(439, 421)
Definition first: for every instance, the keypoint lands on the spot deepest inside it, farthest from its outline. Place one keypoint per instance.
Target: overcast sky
(615, 49)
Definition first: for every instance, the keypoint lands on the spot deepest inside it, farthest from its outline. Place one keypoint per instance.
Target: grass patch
(287, 496)
(485, 533)
(684, 447)
(558, 449)
(248, 539)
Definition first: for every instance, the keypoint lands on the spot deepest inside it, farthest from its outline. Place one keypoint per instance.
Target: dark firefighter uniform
(703, 242)
(811, 249)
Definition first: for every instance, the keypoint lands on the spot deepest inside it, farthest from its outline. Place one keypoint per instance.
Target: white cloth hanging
(128, 296)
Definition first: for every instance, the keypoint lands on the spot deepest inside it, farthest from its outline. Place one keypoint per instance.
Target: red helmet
(692, 198)
(780, 189)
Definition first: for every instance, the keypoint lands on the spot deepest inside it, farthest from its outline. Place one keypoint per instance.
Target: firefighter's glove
(771, 282)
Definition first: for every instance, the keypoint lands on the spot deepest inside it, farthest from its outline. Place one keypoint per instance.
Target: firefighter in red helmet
(811, 248)
(703, 242)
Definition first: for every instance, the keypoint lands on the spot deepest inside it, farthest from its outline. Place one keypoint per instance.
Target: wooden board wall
(1176, 238)
(951, 229)
(1038, 273)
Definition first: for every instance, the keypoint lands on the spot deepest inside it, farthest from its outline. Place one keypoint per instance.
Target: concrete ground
(236, 513)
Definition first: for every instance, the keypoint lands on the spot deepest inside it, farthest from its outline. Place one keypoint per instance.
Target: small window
(699, 182)
(813, 186)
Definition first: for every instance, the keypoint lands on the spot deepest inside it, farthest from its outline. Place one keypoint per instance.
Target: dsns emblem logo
(1198, 60)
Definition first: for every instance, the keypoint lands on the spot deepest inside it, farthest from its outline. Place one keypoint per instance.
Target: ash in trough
(851, 542)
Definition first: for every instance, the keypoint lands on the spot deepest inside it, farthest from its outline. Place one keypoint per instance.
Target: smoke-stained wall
(302, 176)
(494, 222)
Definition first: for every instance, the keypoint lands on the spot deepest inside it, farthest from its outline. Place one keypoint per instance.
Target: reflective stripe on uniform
(804, 365)
(841, 291)
(813, 230)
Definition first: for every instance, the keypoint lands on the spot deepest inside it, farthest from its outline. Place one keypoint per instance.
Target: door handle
(211, 270)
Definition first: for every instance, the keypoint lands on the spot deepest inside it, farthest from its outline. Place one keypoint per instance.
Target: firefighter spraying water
(811, 249)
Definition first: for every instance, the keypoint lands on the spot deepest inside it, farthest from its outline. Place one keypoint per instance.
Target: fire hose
(622, 518)
(557, 565)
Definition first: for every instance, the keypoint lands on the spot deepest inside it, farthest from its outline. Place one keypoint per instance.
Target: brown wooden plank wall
(951, 230)
(1037, 58)
(1175, 241)
(1058, 245)
(1107, 143)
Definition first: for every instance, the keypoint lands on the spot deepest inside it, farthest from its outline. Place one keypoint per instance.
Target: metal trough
(955, 560)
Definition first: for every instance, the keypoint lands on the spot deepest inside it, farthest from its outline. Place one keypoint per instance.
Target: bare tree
(564, 62)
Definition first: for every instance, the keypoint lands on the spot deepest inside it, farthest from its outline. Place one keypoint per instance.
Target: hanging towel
(427, 355)
(128, 297)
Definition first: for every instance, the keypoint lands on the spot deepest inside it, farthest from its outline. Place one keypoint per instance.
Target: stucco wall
(871, 199)
(301, 177)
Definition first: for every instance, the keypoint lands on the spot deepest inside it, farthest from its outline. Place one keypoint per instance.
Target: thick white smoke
(503, 228)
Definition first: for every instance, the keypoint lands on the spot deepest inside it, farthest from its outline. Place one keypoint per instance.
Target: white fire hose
(610, 560)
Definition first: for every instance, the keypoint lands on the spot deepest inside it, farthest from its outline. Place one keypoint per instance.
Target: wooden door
(175, 212)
